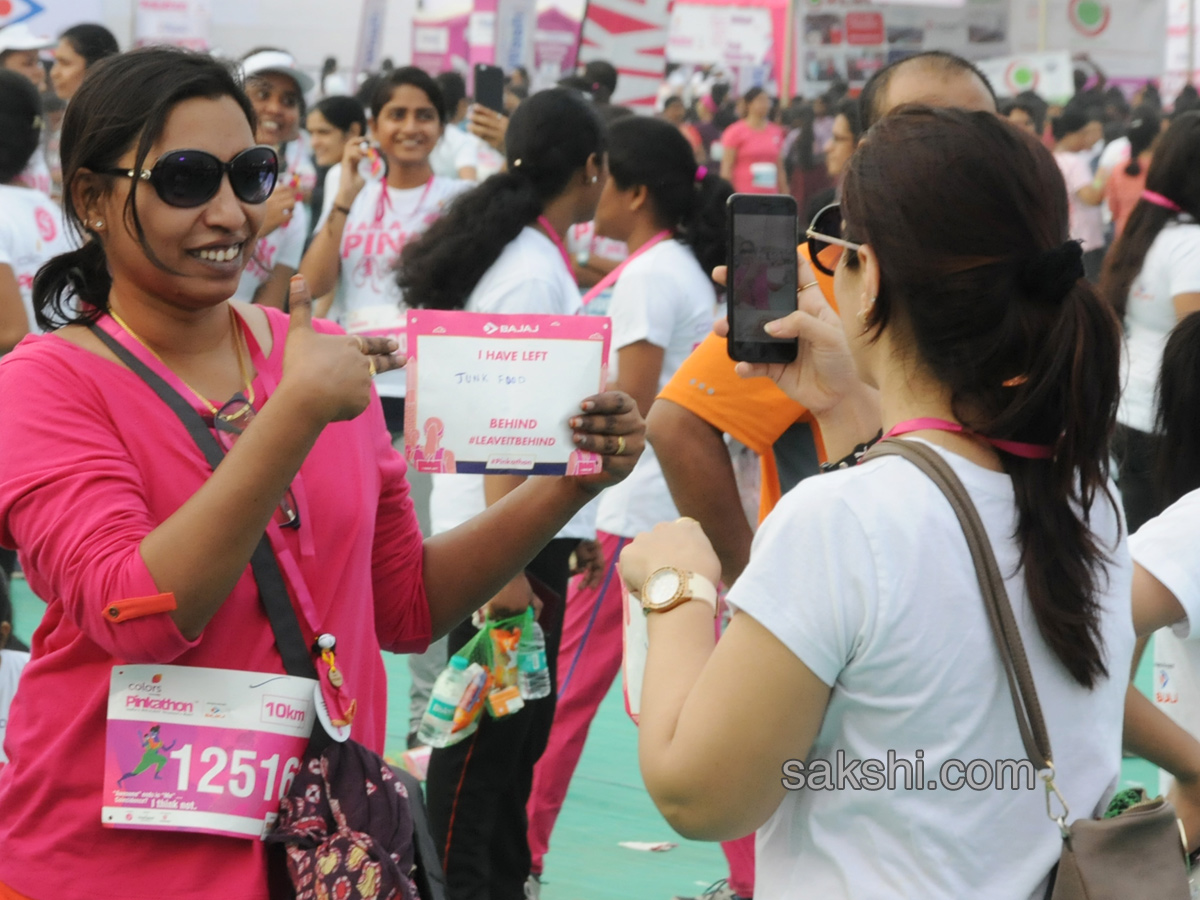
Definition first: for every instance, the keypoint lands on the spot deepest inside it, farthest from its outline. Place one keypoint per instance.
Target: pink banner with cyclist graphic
(206, 750)
(494, 393)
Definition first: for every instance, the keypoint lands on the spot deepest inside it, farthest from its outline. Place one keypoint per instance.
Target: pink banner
(632, 35)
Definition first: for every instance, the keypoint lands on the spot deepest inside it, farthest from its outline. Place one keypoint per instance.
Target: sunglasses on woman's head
(825, 243)
(187, 178)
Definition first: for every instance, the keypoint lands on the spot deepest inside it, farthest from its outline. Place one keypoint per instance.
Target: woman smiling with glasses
(139, 548)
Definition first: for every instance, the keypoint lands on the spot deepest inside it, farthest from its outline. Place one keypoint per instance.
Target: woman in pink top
(139, 549)
(751, 148)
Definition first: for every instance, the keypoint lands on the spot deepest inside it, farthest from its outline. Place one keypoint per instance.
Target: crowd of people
(1008, 284)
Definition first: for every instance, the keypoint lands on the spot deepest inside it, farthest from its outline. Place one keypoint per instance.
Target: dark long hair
(91, 41)
(342, 112)
(1175, 174)
(1178, 420)
(20, 123)
(414, 77)
(653, 153)
(550, 137)
(124, 102)
(979, 280)
(1144, 129)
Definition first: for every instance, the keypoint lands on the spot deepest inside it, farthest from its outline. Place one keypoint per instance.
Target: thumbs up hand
(332, 372)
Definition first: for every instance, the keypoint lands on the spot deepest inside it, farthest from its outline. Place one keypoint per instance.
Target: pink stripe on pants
(589, 659)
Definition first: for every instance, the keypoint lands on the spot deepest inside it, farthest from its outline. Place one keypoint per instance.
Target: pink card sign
(207, 750)
(493, 393)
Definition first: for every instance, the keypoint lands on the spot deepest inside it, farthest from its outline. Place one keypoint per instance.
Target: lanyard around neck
(558, 242)
(384, 204)
(1014, 448)
(612, 276)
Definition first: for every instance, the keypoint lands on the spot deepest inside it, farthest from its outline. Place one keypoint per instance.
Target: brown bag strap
(991, 583)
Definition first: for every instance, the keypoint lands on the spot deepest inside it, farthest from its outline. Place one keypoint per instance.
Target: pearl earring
(595, 178)
(99, 224)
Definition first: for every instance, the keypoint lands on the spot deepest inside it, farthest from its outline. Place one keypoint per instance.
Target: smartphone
(489, 87)
(761, 287)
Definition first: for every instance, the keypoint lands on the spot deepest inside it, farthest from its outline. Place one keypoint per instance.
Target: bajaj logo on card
(493, 328)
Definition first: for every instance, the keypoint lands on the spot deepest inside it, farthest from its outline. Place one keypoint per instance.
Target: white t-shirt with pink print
(381, 221)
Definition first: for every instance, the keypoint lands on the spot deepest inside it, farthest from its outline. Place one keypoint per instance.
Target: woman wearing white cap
(276, 88)
(20, 51)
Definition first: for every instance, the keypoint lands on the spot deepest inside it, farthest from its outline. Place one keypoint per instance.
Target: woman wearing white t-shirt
(276, 88)
(367, 225)
(672, 216)
(1152, 280)
(860, 632)
(500, 249)
(1075, 132)
(31, 227)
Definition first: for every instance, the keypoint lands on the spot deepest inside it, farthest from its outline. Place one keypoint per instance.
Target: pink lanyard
(558, 242)
(384, 204)
(612, 276)
(1016, 448)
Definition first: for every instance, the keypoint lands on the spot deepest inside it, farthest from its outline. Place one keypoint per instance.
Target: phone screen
(762, 279)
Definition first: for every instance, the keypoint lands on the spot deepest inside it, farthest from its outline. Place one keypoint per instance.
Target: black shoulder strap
(297, 660)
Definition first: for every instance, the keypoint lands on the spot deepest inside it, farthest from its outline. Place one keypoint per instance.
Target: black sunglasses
(825, 243)
(187, 178)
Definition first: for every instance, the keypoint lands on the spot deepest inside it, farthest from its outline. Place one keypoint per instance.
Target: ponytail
(72, 288)
(687, 199)
(550, 139)
(988, 296)
(705, 229)
(1178, 428)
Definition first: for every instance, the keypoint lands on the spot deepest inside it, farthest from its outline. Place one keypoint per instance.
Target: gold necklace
(238, 341)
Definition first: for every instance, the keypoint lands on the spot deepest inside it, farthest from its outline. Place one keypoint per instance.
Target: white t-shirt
(1166, 548)
(662, 297)
(1171, 267)
(31, 232)
(382, 220)
(456, 150)
(12, 662)
(282, 247)
(529, 278)
(36, 174)
(1087, 222)
(864, 574)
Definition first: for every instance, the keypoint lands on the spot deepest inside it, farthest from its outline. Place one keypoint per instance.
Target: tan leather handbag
(1136, 855)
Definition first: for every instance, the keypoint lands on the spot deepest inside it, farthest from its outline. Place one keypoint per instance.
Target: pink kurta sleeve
(73, 503)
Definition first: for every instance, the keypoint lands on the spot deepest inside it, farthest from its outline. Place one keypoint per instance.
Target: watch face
(662, 587)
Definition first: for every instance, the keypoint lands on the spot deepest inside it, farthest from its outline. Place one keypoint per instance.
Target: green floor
(606, 805)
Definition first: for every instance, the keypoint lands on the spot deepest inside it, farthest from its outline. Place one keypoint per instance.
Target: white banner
(368, 50)
(182, 23)
(1124, 37)
(1050, 74)
(730, 35)
(516, 31)
(1180, 63)
(48, 18)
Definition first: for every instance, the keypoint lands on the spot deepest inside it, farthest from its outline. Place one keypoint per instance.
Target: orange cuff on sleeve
(137, 607)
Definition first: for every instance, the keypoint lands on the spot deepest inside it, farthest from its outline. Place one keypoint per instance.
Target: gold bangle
(811, 284)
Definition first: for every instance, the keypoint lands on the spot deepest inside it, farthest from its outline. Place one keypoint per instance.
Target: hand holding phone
(761, 285)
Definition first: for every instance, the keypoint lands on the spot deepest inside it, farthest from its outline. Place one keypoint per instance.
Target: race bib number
(205, 750)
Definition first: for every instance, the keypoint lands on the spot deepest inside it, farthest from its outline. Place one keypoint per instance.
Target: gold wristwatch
(668, 587)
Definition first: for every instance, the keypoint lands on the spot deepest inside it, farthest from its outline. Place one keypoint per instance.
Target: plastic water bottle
(438, 722)
(533, 676)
